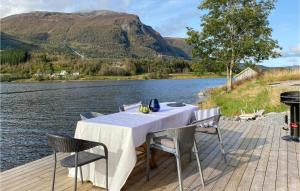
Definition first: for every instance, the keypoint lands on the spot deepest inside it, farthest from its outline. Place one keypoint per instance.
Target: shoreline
(176, 76)
(173, 76)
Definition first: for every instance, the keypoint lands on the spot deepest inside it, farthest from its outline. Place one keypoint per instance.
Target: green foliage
(12, 77)
(10, 42)
(158, 75)
(46, 64)
(204, 66)
(234, 31)
(13, 56)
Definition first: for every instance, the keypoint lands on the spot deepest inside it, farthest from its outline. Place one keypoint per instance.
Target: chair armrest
(105, 149)
(157, 134)
(85, 145)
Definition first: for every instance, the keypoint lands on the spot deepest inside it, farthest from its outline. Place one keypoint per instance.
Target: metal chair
(175, 141)
(126, 107)
(67, 144)
(89, 115)
(207, 121)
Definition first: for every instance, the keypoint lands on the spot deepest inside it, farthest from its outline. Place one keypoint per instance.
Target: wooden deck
(258, 159)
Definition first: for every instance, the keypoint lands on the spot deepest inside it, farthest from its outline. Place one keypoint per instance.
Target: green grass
(252, 95)
(191, 75)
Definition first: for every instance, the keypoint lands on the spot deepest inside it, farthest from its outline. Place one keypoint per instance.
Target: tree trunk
(229, 75)
(228, 78)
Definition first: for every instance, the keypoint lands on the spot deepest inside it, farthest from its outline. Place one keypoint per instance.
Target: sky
(171, 17)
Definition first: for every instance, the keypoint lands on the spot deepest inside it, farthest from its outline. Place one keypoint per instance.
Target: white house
(75, 74)
(63, 73)
(245, 74)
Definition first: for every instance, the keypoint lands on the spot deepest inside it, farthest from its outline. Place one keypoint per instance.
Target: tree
(234, 31)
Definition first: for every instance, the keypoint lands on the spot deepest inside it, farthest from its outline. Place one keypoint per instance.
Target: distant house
(63, 73)
(38, 74)
(75, 74)
(54, 75)
(245, 74)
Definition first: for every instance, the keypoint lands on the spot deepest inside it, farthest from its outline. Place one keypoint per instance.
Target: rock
(271, 113)
(201, 94)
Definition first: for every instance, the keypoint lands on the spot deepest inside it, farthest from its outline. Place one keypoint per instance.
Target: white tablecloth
(122, 133)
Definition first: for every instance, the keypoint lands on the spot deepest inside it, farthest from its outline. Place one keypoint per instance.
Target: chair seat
(165, 141)
(209, 130)
(83, 158)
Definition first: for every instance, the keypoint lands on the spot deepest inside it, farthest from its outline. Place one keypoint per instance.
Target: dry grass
(281, 75)
(253, 94)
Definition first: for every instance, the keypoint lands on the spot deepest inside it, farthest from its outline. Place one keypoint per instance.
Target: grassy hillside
(253, 94)
(97, 34)
(180, 44)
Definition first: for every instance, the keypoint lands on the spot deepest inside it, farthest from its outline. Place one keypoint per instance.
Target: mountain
(180, 44)
(293, 67)
(104, 34)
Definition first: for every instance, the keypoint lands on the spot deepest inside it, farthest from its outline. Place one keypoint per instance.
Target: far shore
(174, 76)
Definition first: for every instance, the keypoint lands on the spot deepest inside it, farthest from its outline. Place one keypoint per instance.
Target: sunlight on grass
(253, 94)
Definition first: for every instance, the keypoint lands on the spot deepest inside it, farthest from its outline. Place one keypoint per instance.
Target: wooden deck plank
(235, 156)
(173, 171)
(258, 159)
(191, 172)
(282, 174)
(156, 171)
(244, 160)
(248, 174)
(260, 172)
(293, 176)
(141, 171)
(215, 169)
(271, 172)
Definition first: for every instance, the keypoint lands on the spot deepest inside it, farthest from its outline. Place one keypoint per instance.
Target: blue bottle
(154, 105)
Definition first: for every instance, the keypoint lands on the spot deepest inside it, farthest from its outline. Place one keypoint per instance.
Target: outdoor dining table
(122, 132)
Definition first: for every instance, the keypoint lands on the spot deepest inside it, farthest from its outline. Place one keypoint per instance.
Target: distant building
(245, 74)
(75, 74)
(54, 75)
(38, 74)
(63, 73)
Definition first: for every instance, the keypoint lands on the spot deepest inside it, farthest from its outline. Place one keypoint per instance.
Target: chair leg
(191, 156)
(198, 162)
(106, 174)
(148, 154)
(75, 178)
(54, 170)
(178, 161)
(81, 177)
(221, 144)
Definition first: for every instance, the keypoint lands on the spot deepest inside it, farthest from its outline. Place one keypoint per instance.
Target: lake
(31, 110)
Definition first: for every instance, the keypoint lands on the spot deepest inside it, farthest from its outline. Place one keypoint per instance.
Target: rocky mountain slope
(97, 34)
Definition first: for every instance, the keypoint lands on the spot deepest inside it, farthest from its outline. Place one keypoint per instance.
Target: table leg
(153, 164)
(143, 149)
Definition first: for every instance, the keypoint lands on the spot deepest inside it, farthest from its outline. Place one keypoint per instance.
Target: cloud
(290, 57)
(10, 7)
(179, 22)
(292, 61)
(293, 51)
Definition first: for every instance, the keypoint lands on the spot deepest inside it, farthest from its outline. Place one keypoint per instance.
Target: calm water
(30, 110)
